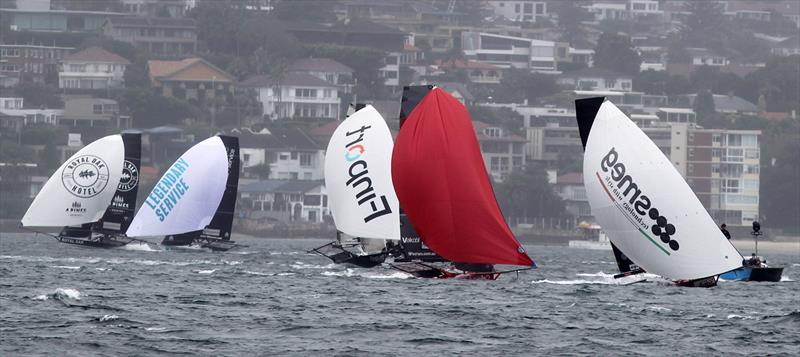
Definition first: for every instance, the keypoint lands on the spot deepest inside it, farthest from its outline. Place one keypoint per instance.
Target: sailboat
(194, 201)
(81, 196)
(653, 219)
(755, 268)
(361, 196)
(443, 187)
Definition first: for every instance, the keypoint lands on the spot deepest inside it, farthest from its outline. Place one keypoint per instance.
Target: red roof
(96, 54)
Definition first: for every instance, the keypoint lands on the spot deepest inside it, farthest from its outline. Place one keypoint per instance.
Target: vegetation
(527, 193)
(615, 52)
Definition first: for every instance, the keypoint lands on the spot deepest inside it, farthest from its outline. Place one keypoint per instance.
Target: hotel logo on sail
(85, 176)
(359, 179)
(635, 206)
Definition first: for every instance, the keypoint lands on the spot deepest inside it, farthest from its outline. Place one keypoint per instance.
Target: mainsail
(120, 212)
(187, 196)
(358, 177)
(441, 181)
(81, 189)
(222, 223)
(649, 212)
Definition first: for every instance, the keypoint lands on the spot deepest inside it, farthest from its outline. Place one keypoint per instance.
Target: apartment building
(507, 51)
(519, 10)
(163, 38)
(29, 63)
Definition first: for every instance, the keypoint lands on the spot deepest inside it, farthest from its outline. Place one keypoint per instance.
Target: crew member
(725, 232)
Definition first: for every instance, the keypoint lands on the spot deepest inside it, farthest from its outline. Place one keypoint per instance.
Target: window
(539, 9)
(751, 154)
(246, 158)
(305, 93)
(492, 132)
(516, 7)
(326, 93)
(528, 8)
(751, 169)
(750, 141)
(734, 140)
(283, 156)
(305, 159)
(97, 109)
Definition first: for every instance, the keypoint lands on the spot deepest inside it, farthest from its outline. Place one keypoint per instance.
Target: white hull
(587, 244)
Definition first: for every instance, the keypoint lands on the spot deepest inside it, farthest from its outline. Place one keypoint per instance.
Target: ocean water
(273, 298)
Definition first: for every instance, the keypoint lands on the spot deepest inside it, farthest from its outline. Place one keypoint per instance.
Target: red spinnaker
(442, 184)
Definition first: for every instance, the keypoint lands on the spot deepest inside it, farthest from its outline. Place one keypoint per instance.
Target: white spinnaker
(187, 195)
(702, 250)
(362, 142)
(81, 189)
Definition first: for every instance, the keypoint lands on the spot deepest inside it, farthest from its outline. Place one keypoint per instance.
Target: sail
(120, 212)
(187, 195)
(222, 223)
(440, 178)
(649, 212)
(358, 177)
(81, 189)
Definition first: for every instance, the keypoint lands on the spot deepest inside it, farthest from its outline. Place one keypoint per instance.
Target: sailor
(754, 260)
(725, 232)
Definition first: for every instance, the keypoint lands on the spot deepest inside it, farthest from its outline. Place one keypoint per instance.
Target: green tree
(615, 52)
(518, 85)
(39, 96)
(48, 158)
(150, 109)
(527, 193)
(504, 117)
(660, 83)
(571, 14)
(704, 103)
(364, 60)
(305, 10)
(780, 173)
(778, 81)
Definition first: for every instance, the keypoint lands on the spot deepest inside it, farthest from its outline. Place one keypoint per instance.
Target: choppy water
(272, 298)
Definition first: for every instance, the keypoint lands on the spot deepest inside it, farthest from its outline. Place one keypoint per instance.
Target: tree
(504, 117)
(150, 109)
(615, 52)
(527, 193)
(778, 81)
(571, 14)
(39, 96)
(364, 60)
(518, 85)
(305, 10)
(780, 173)
(660, 83)
(704, 103)
(705, 20)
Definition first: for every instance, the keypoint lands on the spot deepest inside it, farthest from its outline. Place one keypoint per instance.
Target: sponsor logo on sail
(169, 190)
(130, 177)
(119, 202)
(637, 207)
(75, 210)
(359, 177)
(85, 176)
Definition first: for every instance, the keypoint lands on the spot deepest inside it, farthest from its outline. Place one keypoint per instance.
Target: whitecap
(60, 294)
(155, 329)
(301, 265)
(353, 272)
(786, 278)
(735, 316)
(140, 247)
(66, 267)
(658, 308)
(108, 318)
(206, 271)
(256, 273)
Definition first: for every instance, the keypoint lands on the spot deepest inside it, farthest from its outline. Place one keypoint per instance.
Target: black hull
(766, 274)
(180, 239)
(217, 245)
(341, 256)
(96, 242)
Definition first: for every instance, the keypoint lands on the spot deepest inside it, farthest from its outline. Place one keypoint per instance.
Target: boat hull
(342, 256)
(754, 274)
(96, 242)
